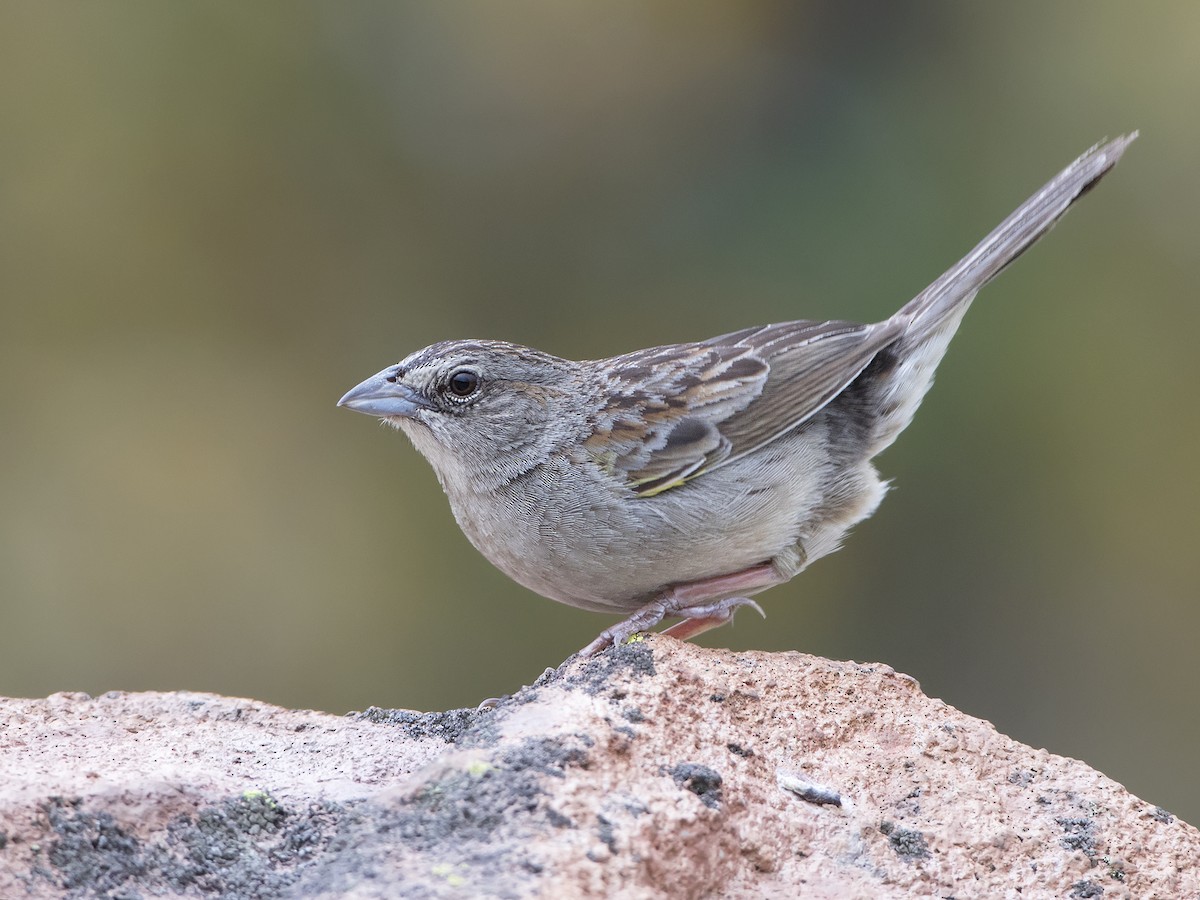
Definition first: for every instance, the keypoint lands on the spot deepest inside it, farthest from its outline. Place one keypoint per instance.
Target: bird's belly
(591, 545)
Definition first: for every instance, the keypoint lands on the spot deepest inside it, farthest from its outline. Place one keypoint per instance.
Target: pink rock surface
(657, 769)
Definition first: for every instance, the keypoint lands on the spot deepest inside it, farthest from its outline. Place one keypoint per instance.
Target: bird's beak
(384, 395)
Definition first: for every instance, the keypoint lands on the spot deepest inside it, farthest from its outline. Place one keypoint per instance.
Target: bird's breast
(580, 536)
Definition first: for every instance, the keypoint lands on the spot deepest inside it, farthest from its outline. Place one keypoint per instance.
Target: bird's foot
(693, 603)
(642, 620)
(696, 620)
(699, 619)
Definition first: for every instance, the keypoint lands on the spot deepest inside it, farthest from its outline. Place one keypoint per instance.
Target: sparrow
(681, 480)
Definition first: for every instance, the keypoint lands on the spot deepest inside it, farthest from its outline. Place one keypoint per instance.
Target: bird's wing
(677, 412)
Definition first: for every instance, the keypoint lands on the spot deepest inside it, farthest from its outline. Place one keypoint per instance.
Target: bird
(681, 480)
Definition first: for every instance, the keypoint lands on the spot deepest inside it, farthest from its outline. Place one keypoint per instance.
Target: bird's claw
(696, 619)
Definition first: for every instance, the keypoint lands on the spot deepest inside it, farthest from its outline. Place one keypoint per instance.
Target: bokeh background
(216, 218)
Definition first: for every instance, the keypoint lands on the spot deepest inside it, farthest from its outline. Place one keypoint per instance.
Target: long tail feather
(1010, 238)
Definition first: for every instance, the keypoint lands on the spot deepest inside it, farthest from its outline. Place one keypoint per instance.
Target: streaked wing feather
(661, 424)
(809, 368)
(677, 412)
(692, 444)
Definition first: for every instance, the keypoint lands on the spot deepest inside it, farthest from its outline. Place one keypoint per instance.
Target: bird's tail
(1012, 237)
(930, 319)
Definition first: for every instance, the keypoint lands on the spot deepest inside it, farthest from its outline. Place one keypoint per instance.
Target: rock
(655, 769)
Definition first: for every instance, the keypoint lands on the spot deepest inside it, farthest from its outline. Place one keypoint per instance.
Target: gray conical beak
(377, 396)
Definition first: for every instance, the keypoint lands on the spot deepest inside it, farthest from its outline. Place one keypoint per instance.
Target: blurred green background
(216, 218)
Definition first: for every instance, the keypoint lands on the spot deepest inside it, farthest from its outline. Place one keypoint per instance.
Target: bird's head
(482, 412)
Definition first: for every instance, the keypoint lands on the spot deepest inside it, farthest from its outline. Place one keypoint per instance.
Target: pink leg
(721, 613)
(701, 604)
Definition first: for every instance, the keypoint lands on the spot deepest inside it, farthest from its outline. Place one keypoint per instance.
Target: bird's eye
(463, 383)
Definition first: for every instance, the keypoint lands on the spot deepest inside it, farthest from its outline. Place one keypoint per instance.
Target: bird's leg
(693, 602)
(712, 615)
(646, 617)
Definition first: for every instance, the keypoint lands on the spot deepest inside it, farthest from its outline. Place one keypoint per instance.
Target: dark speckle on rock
(468, 808)
(702, 781)
(527, 694)
(1085, 890)
(635, 808)
(636, 660)
(606, 834)
(906, 842)
(1158, 814)
(449, 726)
(633, 714)
(92, 852)
(247, 848)
(738, 750)
(548, 756)
(1079, 834)
(1021, 777)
